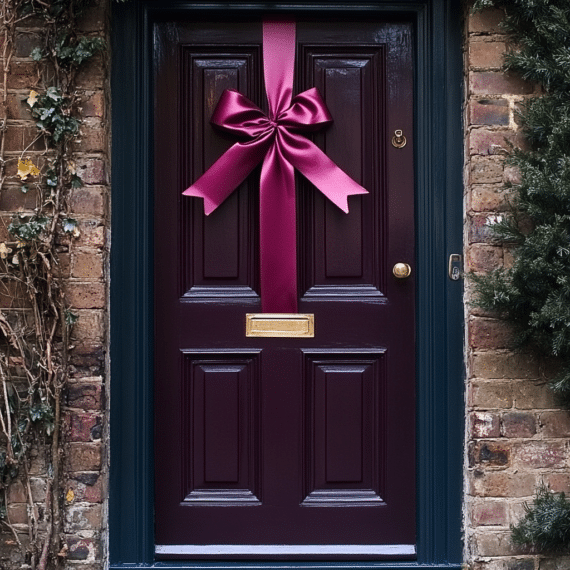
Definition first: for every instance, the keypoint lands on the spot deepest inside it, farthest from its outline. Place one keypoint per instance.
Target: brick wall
(84, 267)
(516, 437)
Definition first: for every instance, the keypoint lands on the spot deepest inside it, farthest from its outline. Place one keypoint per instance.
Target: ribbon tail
(320, 170)
(228, 172)
(278, 234)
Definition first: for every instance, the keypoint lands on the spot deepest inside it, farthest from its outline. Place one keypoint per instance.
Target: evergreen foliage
(546, 524)
(534, 294)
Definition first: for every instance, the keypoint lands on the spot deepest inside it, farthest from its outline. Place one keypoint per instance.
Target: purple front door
(285, 447)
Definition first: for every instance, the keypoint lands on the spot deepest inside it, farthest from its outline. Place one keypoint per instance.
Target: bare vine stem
(34, 338)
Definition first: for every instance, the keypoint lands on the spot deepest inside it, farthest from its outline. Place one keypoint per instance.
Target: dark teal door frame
(439, 195)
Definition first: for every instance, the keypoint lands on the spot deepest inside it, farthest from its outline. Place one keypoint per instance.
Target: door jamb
(440, 417)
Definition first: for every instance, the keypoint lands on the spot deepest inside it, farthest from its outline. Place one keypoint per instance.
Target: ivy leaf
(53, 94)
(27, 168)
(36, 54)
(70, 318)
(4, 250)
(33, 98)
(69, 225)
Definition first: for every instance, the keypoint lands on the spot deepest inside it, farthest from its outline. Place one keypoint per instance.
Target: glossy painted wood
(439, 225)
(311, 441)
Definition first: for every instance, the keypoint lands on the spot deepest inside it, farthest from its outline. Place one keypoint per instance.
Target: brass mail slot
(280, 324)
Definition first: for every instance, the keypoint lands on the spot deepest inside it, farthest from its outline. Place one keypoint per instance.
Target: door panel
(283, 447)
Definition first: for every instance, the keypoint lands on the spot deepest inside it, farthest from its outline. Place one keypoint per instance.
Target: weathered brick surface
(490, 513)
(486, 54)
(489, 333)
(498, 83)
(518, 424)
(490, 112)
(516, 435)
(487, 198)
(82, 264)
(84, 457)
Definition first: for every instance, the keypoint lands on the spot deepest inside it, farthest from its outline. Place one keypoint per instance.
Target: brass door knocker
(399, 140)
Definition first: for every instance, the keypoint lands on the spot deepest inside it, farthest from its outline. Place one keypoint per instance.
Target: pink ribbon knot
(274, 139)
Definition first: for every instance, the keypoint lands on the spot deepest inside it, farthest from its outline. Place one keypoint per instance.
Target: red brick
(91, 74)
(93, 105)
(88, 200)
(84, 427)
(486, 169)
(502, 484)
(82, 517)
(481, 228)
(493, 543)
(89, 357)
(17, 107)
(12, 199)
(484, 424)
(541, 454)
(92, 171)
(23, 75)
(93, 19)
(489, 513)
(498, 83)
(484, 258)
(530, 395)
(518, 424)
(489, 454)
(487, 198)
(84, 457)
(86, 295)
(558, 482)
(484, 142)
(489, 333)
(485, 54)
(18, 513)
(85, 395)
(87, 265)
(63, 266)
(486, 21)
(16, 492)
(86, 487)
(82, 548)
(26, 42)
(490, 112)
(504, 365)
(89, 325)
(93, 137)
(91, 234)
(555, 424)
(490, 395)
(20, 137)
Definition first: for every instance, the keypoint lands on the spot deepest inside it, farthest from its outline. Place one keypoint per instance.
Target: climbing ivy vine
(34, 340)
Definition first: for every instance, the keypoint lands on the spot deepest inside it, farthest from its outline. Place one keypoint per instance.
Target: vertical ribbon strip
(274, 139)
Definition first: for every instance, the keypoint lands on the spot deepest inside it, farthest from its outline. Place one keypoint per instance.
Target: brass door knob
(402, 270)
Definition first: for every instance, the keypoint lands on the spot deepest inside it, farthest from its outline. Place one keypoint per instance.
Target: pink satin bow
(274, 140)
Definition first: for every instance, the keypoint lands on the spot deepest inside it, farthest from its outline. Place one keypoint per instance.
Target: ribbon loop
(274, 139)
